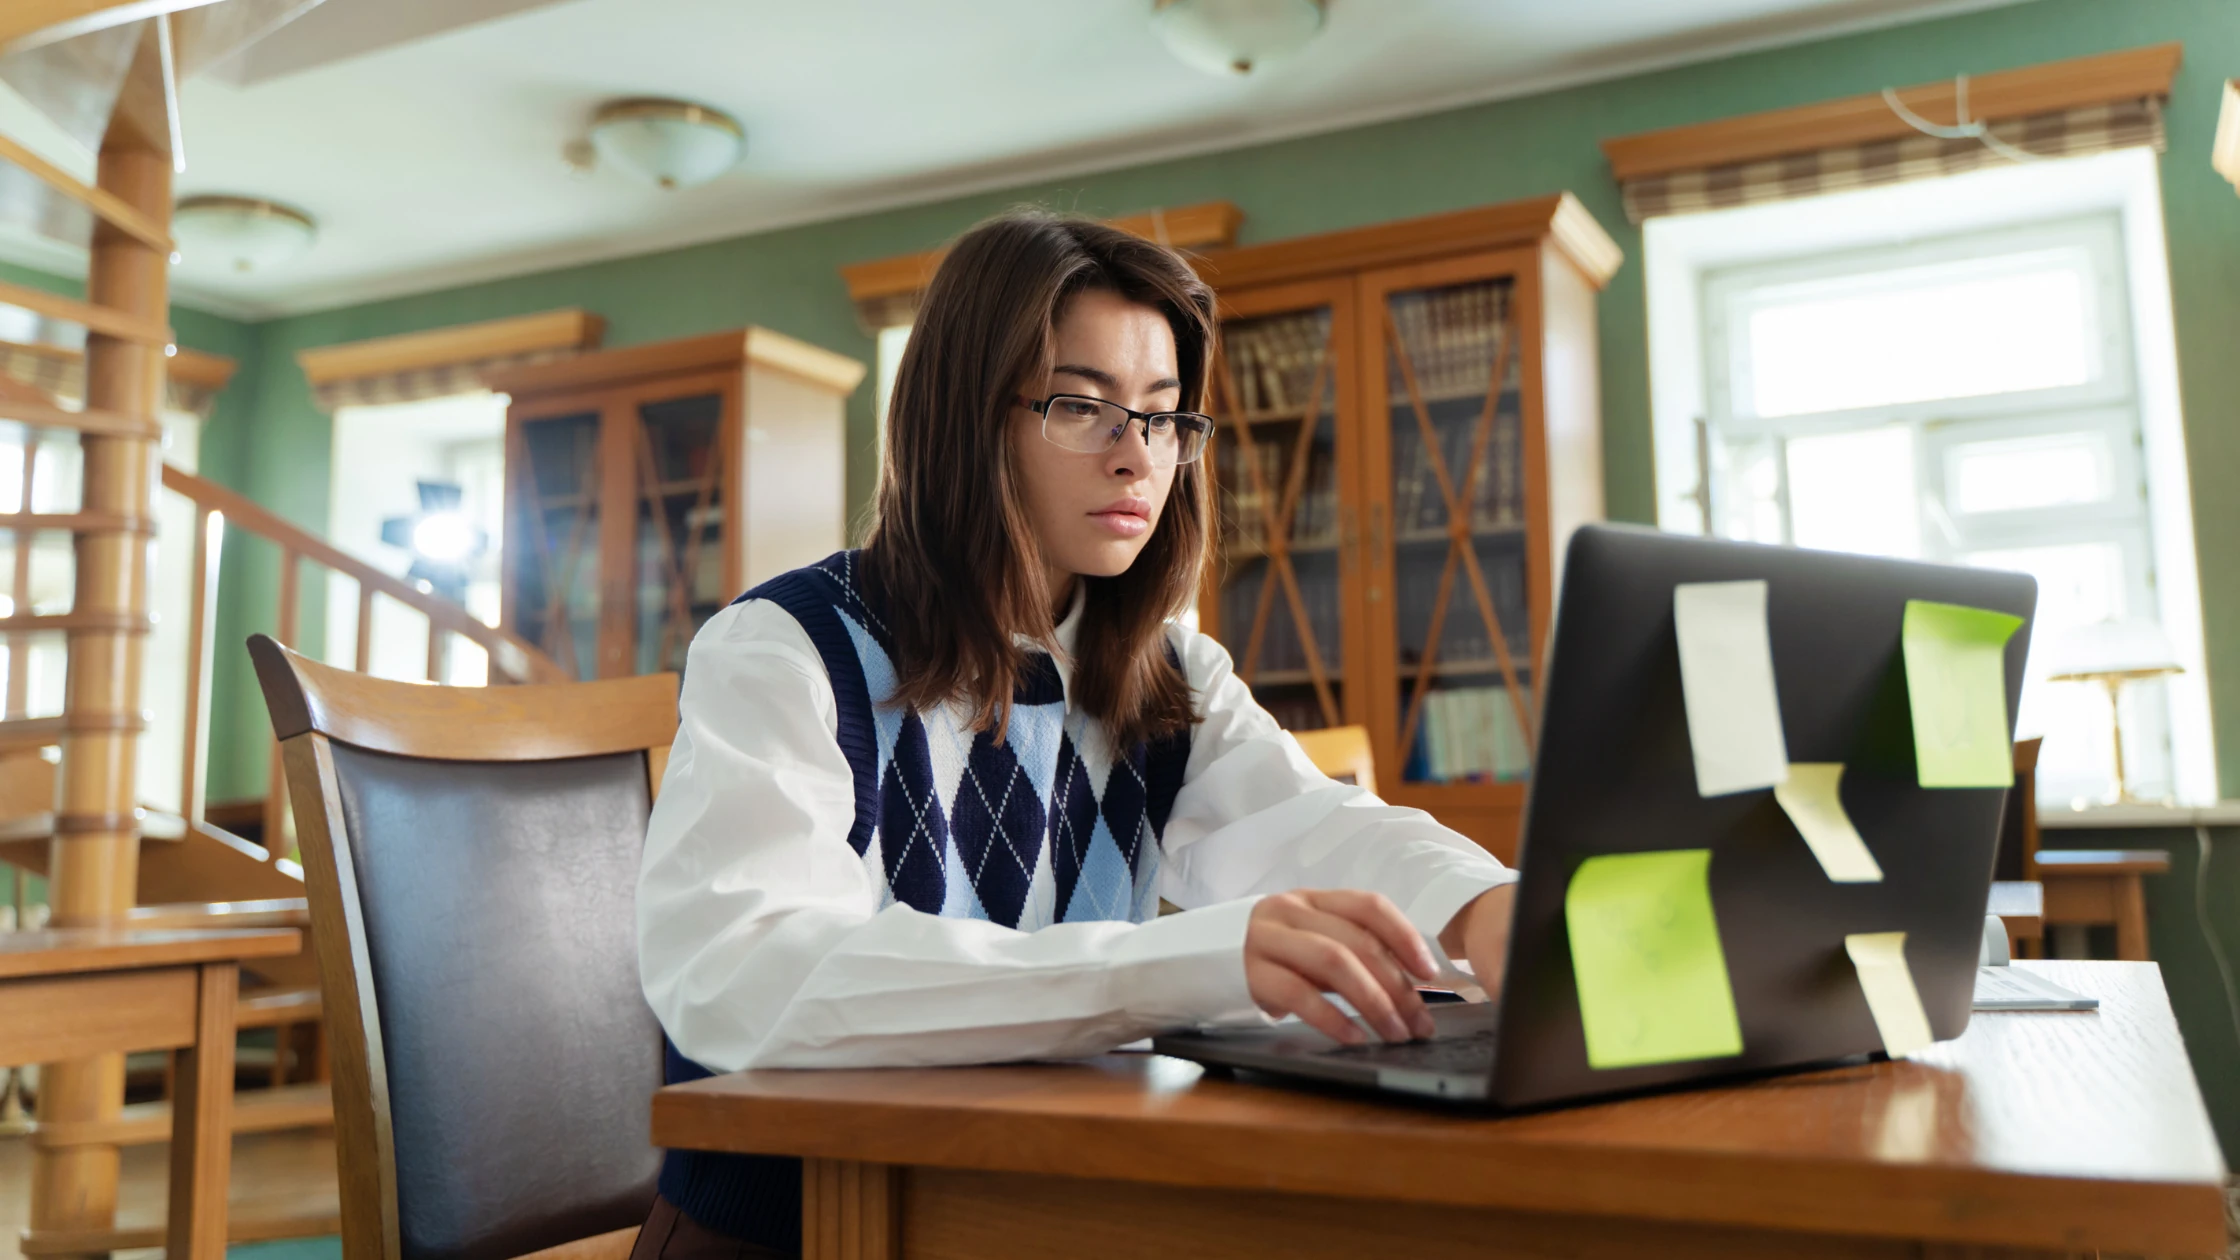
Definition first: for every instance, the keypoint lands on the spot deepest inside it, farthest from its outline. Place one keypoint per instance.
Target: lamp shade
(239, 233)
(675, 144)
(1235, 37)
(2110, 647)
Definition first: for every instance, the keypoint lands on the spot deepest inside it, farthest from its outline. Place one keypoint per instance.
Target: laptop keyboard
(1466, 1052)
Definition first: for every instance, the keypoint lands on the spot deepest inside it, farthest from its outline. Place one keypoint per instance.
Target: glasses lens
(1082, 424)
(1190, 432)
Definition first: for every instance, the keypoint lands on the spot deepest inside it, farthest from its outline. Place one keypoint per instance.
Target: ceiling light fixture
(675, 144)
(241, 233)
(1237, 37)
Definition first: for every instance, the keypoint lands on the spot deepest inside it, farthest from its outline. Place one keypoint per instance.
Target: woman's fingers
(1375, 913)
(1388, 970)
(1294, 994)
(1337, 969)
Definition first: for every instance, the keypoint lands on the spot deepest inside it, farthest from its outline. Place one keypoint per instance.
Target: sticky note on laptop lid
(1956, 690)
(1726, 680)
(1880, 959)
(1812, 797)
(1645, 955)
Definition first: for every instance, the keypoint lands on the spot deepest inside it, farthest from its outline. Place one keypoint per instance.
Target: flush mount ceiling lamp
(675, 144)
(244, 234)
(1236, 37)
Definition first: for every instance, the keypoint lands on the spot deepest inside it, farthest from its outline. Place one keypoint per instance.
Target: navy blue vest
(1049, 826)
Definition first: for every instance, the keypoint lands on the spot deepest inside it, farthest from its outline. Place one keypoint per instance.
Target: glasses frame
(1041, 407)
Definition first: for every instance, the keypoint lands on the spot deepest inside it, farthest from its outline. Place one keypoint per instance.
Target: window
(892, 342)
(1966, 371)
(381, 454)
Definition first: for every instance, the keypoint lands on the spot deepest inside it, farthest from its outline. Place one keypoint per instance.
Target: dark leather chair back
(481, 905)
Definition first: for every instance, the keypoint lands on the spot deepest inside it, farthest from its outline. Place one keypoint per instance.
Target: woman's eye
(1162, 424)
(1079, 409)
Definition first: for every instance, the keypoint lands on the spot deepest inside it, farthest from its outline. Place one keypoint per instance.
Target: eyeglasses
(1093, 426)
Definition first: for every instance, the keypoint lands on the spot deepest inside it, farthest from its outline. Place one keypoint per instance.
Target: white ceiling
(424, 135)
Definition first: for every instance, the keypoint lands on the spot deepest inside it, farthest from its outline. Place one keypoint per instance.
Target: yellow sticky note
(1726, 684)
(1812, 798)
(1956, 686)
(1880, 959)
(1645, 953)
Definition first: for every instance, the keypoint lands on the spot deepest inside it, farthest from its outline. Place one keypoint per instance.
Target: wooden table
(73, 994)
(2036, 1132)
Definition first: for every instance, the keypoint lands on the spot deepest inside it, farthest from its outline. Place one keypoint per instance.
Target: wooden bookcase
(647, 487)
(1409, 430)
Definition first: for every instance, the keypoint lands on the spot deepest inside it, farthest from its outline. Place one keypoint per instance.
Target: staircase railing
(216, 509)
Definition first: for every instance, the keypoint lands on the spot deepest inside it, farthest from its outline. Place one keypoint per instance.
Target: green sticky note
(1645, 952)
(1956, 685)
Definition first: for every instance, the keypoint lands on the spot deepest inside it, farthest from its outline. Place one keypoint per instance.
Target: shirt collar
(1068, 630)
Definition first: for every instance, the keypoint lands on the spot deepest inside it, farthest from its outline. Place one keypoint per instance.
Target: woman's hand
(1303, 944)
(1480, 932)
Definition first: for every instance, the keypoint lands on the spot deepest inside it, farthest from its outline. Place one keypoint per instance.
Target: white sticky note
(1726, 678)
(1813, 799)
(1880, 959)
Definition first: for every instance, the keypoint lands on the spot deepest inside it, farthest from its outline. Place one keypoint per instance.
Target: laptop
(1613, 773)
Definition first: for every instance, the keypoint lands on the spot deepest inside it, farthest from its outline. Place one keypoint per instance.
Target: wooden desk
(2037, 1132)
(2090, 886)
(77, 993)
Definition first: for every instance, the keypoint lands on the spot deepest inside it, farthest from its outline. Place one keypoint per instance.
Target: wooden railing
(512, 658)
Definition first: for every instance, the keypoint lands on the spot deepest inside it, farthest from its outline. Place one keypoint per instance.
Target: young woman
(925, 797)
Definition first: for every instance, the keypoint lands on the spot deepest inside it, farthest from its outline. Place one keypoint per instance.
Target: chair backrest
(1342, 752)
(471, 859)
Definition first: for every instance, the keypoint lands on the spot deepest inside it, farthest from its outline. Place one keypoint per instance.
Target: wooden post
(276, 781)
(19, 594)
(202, 635)
(94, 861)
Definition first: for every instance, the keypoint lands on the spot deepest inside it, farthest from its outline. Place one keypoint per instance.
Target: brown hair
(952, 546)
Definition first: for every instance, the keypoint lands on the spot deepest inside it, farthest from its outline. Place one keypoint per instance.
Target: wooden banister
(511, 656)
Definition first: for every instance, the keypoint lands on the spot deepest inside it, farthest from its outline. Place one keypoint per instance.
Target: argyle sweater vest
(1048, 826)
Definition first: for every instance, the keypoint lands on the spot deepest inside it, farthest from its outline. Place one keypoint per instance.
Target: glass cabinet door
(679, 578)
(555, 571)
(1278, 577)
(1454, 423)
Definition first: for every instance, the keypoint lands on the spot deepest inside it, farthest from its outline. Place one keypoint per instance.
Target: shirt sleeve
(761, 938)
(1255, 816)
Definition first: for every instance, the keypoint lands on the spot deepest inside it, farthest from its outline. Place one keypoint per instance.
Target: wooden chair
(2082, 887)
(471, 857)
(1342, 752)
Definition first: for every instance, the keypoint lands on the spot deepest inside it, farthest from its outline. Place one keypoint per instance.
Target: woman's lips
(1127, 518)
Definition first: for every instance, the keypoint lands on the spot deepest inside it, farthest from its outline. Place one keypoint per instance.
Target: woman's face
(1093, 513)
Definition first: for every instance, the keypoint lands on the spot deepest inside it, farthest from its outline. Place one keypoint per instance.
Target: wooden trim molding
(1559, 217)
(201, 370)
(1207, 225)
(2130, 74)
(560, 331)
(715, 352)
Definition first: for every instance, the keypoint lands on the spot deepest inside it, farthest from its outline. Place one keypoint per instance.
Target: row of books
(1463, 637)
(1245, 501)
(1282, 647)
(1273, 362)
(1451, 337)
(1469, 735)
(1496, 490)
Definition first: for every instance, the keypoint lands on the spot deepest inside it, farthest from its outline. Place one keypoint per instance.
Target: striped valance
(2065, 109)
(446, 361)
(191, 385)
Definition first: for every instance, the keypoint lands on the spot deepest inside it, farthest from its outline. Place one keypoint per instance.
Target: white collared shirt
(762, 941)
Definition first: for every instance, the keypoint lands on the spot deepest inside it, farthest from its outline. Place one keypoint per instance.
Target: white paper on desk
(1726, 680)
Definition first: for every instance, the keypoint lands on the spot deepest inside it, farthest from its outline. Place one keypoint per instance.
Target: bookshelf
(647, 487)
(1409, 429)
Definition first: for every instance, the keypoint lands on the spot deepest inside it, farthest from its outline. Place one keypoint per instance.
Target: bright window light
(1922, 333)
(444, 537)
(1855, 492)
(2078, 583)
(2035, 472)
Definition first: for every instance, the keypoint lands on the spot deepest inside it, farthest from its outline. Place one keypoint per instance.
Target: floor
(274, 1174)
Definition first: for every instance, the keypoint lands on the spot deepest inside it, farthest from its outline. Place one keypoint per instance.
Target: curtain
(2059, 133)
